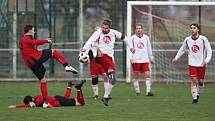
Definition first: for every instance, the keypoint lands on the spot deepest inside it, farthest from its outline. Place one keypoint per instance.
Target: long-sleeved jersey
(28, 49)
(143, 50)
(105, 41)
(38, 100)
(199, 51)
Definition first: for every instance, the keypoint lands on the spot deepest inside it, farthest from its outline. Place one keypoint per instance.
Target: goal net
(167, 24)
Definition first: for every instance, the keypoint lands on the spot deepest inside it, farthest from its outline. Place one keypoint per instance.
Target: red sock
(43, 88)
(80, 97)
(68, 92)
(60, 58)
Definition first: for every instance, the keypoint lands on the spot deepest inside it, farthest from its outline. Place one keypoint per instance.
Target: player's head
(28, 99)
(195, 29)
(139, 30)
(106, 25)
(29, 29)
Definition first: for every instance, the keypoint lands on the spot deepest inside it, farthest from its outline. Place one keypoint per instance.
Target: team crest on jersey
(140, 45)
(195, 48)
(106, 39)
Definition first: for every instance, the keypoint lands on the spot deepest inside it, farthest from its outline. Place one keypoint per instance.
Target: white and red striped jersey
(143, 49)
(199, 50)
(105, 41)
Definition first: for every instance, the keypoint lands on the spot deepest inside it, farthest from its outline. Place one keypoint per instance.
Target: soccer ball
(83, 57)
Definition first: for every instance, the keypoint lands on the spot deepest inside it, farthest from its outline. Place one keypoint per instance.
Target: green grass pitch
(171, 102)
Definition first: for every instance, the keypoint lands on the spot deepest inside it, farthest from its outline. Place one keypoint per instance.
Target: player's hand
(49, 40)
(11, 106)
(204, 63)
(132, 50)
(173, 60)
(83, 49)
(152, 61)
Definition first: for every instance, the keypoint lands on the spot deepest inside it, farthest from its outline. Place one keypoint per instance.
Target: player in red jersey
(55, 101)
(34, 59)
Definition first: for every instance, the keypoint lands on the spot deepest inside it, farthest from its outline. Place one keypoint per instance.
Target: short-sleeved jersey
(199, 50)
(105, 41)
(142, 46)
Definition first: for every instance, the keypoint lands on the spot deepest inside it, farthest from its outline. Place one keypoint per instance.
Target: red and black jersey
(28, 49)
(38, 100)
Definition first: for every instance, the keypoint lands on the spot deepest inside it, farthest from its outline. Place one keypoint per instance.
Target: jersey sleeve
(208, 50)
(117, 34)
(37, 42)
(130, 42)
(23, 106)
(149, 47)
(182, 49)
(92, 39)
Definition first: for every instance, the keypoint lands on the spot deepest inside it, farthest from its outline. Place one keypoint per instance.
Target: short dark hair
(28, 99)
(107, 22)
(27, 28)
(139, 24)
(196, 25)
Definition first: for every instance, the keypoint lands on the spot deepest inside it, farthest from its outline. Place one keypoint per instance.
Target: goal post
(167, 25)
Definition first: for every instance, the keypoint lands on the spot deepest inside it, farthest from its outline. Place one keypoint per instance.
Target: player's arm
(181, 51)
(149, 47)
(39, 42)
(91, 40)
(130, 44)
(209, 51)
(20, 106)
(121, 36)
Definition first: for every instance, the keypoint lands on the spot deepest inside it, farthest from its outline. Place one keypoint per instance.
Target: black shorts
(38, 68)
(66, 102)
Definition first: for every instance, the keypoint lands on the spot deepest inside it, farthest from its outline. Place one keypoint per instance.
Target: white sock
(194, 92)
(110, 88)
(200, 89)
(148, 85)
(136, 86)
(106, 87)
(95, 89)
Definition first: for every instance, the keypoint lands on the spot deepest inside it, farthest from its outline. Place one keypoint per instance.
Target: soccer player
(97, 69)
(34, 59)
(141, 58)
(106, 38)
(55, 101)
(199, 55)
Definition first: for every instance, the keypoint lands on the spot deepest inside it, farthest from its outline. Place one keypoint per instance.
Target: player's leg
(60, 58)
(68, 90)
(48, 53)
(39, 70)
(148, 82)
(201, 76)
(94, 71)
(95, 87)
(193, 77)
(136, 70)
(79, 95)
(107, 86)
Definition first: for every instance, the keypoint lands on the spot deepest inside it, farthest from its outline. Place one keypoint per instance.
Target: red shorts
(140, 67)
(106, 62)
(198, 72)
(96, 69)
